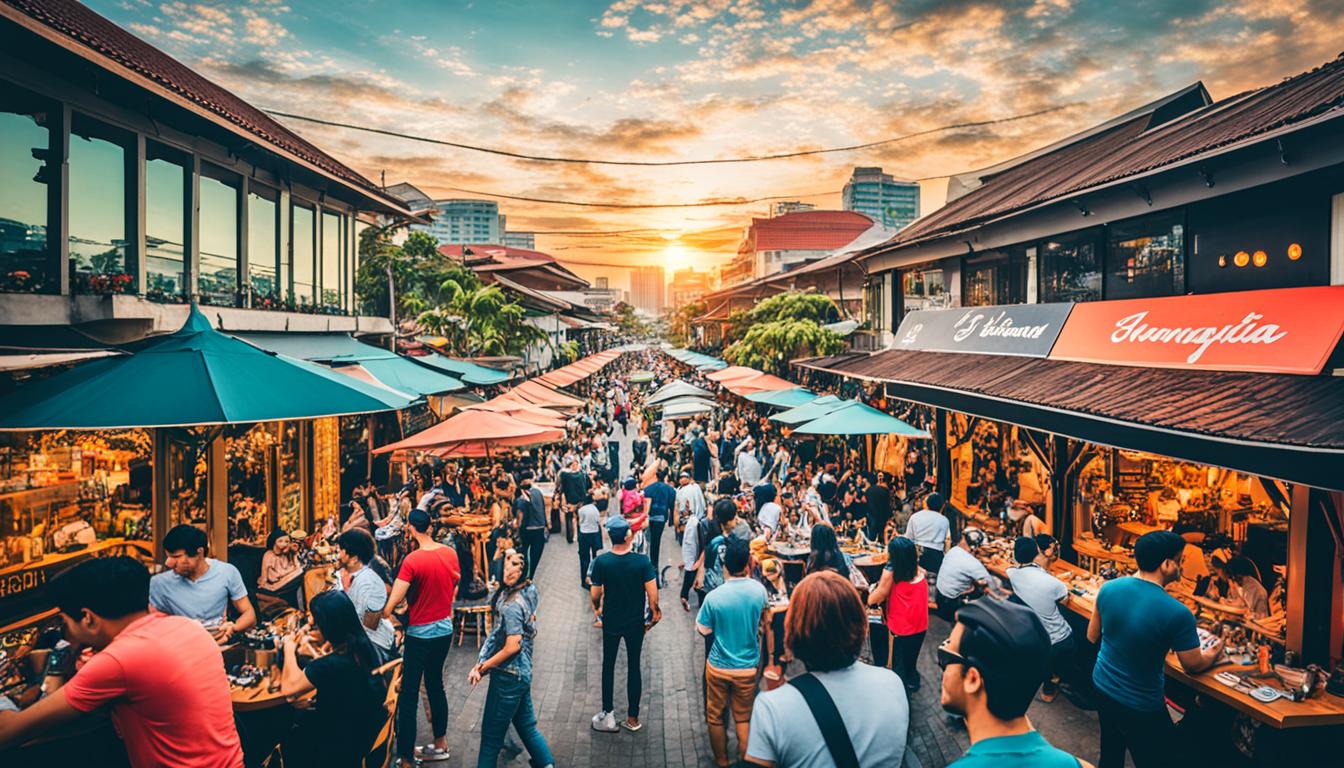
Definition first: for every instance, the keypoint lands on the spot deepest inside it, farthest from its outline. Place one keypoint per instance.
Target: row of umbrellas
(696, 360)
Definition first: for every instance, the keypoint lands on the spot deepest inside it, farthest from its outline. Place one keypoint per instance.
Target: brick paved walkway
(566, 688)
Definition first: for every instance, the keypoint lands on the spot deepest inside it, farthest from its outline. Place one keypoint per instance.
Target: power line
(643, 206)
(647, 163)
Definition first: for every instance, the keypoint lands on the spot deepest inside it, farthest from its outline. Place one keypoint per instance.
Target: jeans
(589, 545)
(509, 700)
(655, 542)
(1150, 737)
(687, 582)
(423, 659)
(533, 541)
(905, 657)
(611, 642)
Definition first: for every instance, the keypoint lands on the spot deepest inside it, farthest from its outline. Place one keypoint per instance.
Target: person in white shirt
(1044, 594)
(367, 592)
(690, 510)
(747, 466)
(929, 529)
(590, 536)
(963, 577)
(690, 502)
(768, 518)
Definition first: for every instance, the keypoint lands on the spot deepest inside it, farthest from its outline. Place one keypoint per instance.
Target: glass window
(218, 280)
(289, 515)
(165, 224)
(188, 478)
(252, 460)
(923, 287)
(332, 257)
(1070, 268)
(995, 278)
(97, 210)
(263, 258)
(872, 302)
(1146, 257)
(301, 265)
(25, 142)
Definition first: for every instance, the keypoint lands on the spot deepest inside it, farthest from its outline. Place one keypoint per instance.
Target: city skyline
(697, 80)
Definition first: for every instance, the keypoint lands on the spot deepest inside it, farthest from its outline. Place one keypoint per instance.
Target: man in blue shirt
(1137, 622)
(662, 497)
(734, 615)
(200, 587)
(993, 661)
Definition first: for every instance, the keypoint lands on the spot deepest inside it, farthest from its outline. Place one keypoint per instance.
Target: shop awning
(467, 371)
(732, 372)
(859, 419)
(540, 394)
(763, 382)
(819, 407)
(196, 376)
(467, 427)
(784, 398)
(388, 367)
(676, 389)
(686, 410)
(686, 400)
(1275, 425)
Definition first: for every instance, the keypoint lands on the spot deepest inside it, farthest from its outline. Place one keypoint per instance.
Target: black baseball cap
(1009, 645)
(1154, 547)
(1025, 549)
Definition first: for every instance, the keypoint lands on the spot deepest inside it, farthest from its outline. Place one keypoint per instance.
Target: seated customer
(367, 592)
(161, 677)
(341, 727)
(200, 587)
(281, 574)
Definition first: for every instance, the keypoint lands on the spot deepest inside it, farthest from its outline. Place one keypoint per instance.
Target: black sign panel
(1027, 330)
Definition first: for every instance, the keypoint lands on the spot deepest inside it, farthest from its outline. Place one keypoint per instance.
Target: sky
(673, 80)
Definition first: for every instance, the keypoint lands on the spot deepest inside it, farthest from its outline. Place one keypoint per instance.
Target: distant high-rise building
(789, 206)
(520, 240)
(465, 221)
(688, 286)
(601, 283)
(647, 289)
(891, 202)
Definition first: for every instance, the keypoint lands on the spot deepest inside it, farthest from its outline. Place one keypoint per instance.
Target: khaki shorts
(725, 688)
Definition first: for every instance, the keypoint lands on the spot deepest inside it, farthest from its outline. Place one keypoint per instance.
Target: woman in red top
(905, 594)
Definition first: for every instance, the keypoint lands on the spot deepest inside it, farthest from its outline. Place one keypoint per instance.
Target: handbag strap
(828, 720)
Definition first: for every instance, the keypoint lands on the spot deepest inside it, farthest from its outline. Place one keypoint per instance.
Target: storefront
(1214, 416)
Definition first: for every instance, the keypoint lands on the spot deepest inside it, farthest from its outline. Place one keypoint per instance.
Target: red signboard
(1282, 330)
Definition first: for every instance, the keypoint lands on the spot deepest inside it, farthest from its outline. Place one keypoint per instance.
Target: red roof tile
(806, 231)
(1130, 148)
(74, 23)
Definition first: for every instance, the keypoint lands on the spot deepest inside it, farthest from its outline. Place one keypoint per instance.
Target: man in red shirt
(162, 676)
(427, 581)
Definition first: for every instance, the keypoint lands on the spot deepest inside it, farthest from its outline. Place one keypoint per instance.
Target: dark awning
(1275, 425)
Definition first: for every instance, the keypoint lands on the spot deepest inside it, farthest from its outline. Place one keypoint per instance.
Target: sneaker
(430, 754)
(1049, 690)
(605, 722)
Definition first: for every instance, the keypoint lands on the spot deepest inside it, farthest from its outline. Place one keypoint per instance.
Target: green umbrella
(855, 418)
(784, 398)
(196, 376)
(819, 407)
(471, 373)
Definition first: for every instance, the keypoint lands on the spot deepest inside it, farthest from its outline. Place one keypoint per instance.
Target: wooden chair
(380, 754)
(479, 615)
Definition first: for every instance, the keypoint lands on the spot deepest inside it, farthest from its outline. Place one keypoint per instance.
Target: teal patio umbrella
(855, 418)
(784, 398)
(389, 368)
(471, 373)
(819, 407)
(196, 376)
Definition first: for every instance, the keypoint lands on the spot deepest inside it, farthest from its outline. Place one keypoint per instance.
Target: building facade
(526, 240)
(688, 286)
(891, 202)
(789, 206)
(648, 290)
(782, 243)
(465, 221)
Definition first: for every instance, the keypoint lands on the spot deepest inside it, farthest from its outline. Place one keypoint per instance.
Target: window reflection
(97, 210)
(997, 278)
(24, 142)
(923, 288)
(165, 217)
(262, 255)
(302, 263)
(218, 280)
(1070, 269)
(331, 260)
(290, 513)
(1147, 257)
(188, 478)
(252, 457)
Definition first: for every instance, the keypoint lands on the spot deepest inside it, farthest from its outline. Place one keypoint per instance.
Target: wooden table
(1321, 709)
(1093, 552)
(259, 696)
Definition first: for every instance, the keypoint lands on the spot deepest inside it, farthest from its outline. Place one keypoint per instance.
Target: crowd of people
(792, 658)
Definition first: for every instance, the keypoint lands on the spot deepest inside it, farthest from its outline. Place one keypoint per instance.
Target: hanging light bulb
(1241, 259)
(1260, 258)
(1294, 251)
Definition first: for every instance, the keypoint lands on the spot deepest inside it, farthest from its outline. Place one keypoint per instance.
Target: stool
(480, 614)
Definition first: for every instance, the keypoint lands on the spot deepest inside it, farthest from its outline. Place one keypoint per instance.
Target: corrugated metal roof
(1130, 148)
(1274, 409)
(807, 231)
(79, 25)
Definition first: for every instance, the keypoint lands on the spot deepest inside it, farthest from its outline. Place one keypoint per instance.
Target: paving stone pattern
(566, 686)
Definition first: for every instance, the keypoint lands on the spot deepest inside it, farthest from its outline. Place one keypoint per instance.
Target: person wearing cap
(1043, 593)
(623, 584)
(929, 529)
(963, 577)
(1137, 623)
(993, 662)
(427, 581)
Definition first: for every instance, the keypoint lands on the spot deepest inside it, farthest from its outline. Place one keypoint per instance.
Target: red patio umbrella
(759, 383)
(468, 427)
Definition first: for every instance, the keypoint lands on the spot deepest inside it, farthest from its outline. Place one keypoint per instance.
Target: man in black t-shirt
(574, 487)
(879, 506)
(623, 583)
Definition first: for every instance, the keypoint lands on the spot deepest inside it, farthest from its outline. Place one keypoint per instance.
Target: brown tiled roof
(1279, 409)
(77, 24)
(1129, 149)
(808, 230)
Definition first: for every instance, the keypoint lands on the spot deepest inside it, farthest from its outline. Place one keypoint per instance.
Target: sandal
(631, 728)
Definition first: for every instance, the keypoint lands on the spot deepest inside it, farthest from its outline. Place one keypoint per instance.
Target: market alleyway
(566, 688)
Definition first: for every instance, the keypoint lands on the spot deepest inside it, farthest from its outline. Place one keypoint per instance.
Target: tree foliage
(679, 330)
(623, 315)
(781, 328)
